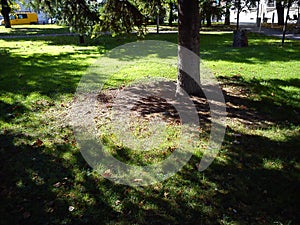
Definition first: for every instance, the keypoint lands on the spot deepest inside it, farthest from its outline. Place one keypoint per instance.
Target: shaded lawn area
(254, 180)
(33, 30)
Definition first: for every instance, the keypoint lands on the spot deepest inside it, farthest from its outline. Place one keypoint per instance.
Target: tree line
(119, 16)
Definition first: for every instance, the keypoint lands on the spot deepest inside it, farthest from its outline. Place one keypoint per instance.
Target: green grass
(45, 180)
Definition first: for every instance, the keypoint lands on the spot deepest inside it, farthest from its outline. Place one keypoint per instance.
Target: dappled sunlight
(273, 164)
(45, 179)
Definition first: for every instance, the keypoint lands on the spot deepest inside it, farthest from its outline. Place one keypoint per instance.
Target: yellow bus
(24, 17)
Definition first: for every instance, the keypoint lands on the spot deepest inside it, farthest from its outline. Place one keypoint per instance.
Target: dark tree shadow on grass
(262, 100)
(38, 186)
(246, 186)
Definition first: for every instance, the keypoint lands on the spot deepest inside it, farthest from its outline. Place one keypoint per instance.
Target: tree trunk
(280, 12)
(81, 39)
(286, 21)
(239, 10)
(238, 20)
(5, 12)
(227, 13)
(240, 38)
(157, 23)
(188, 38)
(208, 20)
(171, 16)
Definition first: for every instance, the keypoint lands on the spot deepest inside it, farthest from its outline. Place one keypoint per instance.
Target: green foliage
(80, 15)
(91, 16)
(14, 6)
(209, 8)
(119, 17)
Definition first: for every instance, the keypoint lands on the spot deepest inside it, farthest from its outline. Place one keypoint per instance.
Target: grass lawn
(254, 179)
(33, 29)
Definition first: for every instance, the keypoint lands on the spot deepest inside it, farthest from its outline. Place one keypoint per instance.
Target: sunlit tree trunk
(188, 38)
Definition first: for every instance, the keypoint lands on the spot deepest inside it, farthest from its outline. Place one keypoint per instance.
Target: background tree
(280, 5)
(5, 10)
(227, 12)
(286, 21)
(172, 6)
(154, 10)
(119, 17)
(208, 10)
(80, 15)
(240, 38)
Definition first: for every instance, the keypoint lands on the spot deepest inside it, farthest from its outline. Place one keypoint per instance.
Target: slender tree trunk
(280, 12)
(157, 23)
(188, 38)
(227, 13)
(171, 16)
(238, 20)
(286, 21)
(5, 12)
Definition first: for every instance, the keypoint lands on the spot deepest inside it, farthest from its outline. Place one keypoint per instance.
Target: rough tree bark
(240, 39)
(5, 12)
(188, 38)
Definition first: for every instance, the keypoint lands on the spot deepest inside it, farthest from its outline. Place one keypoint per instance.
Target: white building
(266, 10)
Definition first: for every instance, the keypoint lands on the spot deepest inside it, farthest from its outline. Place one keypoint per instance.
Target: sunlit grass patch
(273, 164)
(33, 30)
(139, 71)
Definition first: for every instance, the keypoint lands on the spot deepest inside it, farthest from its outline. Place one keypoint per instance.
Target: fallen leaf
(166, 194)
(38, 142)
(138, 180)
(107, 173)
(127, 191)
(58, 184)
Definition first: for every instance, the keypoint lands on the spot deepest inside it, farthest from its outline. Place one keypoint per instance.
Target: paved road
(250, 27)
(270, 32)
